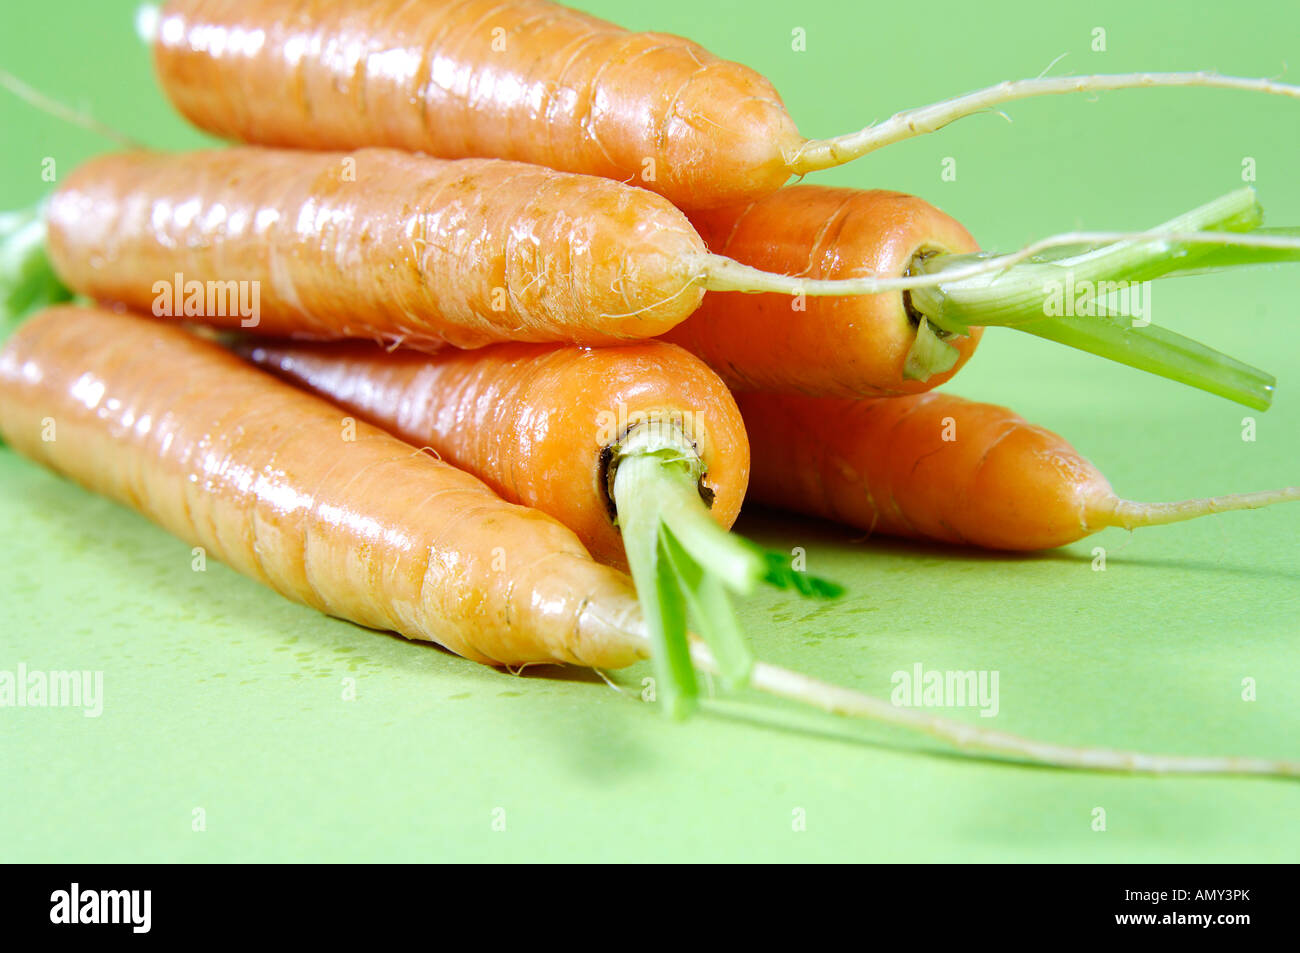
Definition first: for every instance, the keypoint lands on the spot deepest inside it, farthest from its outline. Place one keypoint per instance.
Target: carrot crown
(685, 565)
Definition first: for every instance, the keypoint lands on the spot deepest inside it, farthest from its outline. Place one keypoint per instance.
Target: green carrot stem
(929, 355)
(1090, 297)
(684, 564)
(1028, 292)
(1162, 352)
(680, 558)
(1222, 257)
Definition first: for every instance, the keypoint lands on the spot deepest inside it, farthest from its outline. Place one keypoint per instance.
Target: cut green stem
(1159, 351)
(1092, 297)
(1047, 285)
(683, 563)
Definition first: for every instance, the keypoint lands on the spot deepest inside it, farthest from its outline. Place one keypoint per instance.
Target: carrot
(378, 244)
(264, 478)
(421, 251)
(540, 424)
(832, 347)
(371, 529)
(935, 466)
(527, 80)
(910, 340)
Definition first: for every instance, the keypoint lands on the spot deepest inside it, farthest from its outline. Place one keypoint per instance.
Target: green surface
(221, 696)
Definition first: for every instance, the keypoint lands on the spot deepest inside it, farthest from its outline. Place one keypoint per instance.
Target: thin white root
(843, 701)
(718, 273)
(38, 100)
(608, 681)
(1129, 514)
(818, 154)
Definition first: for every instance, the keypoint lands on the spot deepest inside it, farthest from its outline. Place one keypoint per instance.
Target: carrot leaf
(782, 575)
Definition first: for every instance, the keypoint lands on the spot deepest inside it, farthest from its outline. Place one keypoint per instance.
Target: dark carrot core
(605, 475)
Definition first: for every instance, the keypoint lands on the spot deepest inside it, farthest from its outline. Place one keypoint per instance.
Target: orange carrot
(527, 80)
(539, 424)
(828, 347)
(378, 244)
(935, 466)
(266, 479)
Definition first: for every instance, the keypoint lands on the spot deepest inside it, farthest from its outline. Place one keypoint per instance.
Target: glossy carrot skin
(380, 244)
(929, 466)
(525, 79)
(535, 422)
(263, 477)
(834, 347)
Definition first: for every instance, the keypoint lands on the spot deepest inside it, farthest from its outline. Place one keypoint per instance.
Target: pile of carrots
(499, 310)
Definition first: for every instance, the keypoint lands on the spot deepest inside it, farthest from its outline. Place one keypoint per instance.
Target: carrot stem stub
(684, 564)
(679, 557)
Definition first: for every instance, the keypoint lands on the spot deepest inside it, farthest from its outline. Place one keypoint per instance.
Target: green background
(222, 696)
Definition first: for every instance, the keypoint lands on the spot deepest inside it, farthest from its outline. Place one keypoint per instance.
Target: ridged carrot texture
(828, 347)
(528, 80)
(264, 477)
(936, 466)
(377, 244)
(540, 424)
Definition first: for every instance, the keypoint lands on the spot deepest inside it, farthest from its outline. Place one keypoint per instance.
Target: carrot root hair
(65, 113)
(1130, 514)
(836, 700)
(817, 154)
